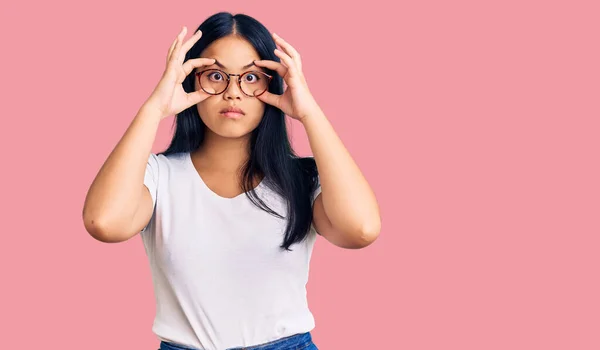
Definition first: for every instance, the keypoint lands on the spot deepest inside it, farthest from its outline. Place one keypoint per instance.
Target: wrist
(314, 114)
(150, 112)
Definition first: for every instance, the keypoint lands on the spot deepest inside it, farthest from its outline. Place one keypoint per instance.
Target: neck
(223, 155)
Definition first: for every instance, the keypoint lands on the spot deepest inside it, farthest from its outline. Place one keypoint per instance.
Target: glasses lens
(254, 83)
(213, 81)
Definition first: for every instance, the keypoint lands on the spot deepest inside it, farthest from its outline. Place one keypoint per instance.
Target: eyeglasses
(215, 81)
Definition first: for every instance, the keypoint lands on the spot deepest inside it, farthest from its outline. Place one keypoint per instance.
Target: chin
(232, 133)
(231, 130)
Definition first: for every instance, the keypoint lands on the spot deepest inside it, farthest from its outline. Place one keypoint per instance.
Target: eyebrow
(244, 67)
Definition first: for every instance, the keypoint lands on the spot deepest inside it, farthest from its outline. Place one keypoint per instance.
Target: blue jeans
(302, 341)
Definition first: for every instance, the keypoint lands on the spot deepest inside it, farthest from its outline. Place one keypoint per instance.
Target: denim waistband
(293, 342)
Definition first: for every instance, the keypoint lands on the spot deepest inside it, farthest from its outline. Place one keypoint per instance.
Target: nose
(233, 91)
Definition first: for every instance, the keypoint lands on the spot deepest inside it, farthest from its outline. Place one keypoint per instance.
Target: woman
(228, 214)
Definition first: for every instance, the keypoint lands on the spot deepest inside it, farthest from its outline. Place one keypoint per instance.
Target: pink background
(479, 137)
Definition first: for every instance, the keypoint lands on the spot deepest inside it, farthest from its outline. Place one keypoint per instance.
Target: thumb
(197, 97)
(270, 98)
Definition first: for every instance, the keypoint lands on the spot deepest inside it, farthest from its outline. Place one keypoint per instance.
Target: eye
(251, 78)
(215, 76)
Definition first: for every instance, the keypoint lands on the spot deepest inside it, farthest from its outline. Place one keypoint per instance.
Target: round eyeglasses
(215, 81)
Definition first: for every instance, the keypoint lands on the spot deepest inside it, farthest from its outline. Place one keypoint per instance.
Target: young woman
(229, 214)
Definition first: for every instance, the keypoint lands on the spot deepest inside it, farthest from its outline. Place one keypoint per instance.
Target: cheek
(258, 109)
(257, 112)
(203, 108)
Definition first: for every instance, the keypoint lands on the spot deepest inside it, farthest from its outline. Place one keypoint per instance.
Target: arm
(118, 205)
(346, 212)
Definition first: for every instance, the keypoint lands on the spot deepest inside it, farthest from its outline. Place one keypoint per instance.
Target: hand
(169, 97)
(296, 101)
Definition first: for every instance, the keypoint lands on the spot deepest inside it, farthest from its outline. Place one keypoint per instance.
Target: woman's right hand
(169, 97)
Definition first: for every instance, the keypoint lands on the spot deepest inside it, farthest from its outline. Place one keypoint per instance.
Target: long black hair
(271, 154)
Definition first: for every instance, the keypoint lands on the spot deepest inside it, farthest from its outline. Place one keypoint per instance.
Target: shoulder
(162, 168)
(160, 161)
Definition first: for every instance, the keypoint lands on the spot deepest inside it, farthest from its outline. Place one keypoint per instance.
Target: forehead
(231, 51)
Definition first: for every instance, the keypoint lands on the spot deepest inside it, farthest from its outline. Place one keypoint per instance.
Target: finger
(189, 65)
(191, 41)
(171, 50)
(196, 97)
(188, 44)
(289, 49)
(272, 65)
(177, 48)
(270, 98)
(287, 61)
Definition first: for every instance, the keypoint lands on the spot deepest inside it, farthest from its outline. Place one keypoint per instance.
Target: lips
(232, 110)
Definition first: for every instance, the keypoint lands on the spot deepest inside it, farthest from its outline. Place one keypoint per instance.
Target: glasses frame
(239, 80)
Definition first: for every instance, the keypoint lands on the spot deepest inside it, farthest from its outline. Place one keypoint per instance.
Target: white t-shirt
(220, 279)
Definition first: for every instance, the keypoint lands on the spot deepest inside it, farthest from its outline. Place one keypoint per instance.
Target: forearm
(348, 199)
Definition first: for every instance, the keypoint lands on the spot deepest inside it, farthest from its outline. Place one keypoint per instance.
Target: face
(236, 56)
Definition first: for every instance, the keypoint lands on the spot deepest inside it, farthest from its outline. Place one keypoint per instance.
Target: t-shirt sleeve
(317, 191)
(151, 180)
(314, 198)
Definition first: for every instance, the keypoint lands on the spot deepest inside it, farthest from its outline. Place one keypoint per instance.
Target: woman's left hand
(296, 101)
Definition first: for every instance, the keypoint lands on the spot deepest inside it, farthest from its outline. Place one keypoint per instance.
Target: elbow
(369, 233)
(96, 229)
(364, 236)
(101, 231)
